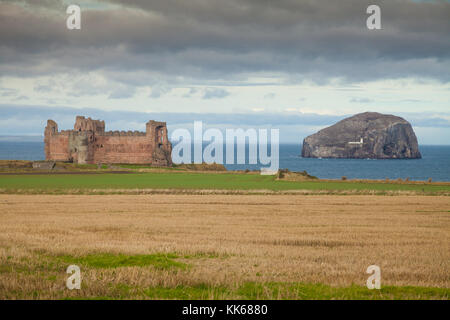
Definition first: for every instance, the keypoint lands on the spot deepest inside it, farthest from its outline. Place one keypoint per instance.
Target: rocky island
(368, 135)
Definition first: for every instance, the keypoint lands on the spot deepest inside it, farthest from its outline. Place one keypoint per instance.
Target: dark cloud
(38, 4)
(206, 40)
(215, 93)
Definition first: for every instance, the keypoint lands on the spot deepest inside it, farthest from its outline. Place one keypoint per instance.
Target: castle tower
(157, 133)
(50, 130)
(83, 124)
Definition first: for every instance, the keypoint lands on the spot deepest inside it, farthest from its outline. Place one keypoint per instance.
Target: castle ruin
(89, 143)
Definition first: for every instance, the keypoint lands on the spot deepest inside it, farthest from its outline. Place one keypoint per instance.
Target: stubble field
(224, 246)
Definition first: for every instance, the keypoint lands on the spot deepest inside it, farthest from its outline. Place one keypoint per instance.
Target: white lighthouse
(360, 143)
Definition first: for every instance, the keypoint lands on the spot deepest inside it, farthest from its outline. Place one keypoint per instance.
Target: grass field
(79, 183)
(223, 246)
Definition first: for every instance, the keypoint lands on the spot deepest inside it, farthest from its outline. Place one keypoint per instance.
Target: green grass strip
(210, 181)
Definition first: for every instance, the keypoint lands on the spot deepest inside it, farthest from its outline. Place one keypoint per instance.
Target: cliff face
(366, 135)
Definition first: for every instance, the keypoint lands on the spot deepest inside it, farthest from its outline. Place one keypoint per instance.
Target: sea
(435, 163)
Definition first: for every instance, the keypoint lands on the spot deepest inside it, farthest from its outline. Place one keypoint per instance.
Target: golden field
(219, 243)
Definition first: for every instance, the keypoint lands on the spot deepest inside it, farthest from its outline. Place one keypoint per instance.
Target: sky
(290, 64)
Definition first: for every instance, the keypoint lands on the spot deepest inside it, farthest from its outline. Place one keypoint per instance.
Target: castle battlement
(88, 142)
(124, 134)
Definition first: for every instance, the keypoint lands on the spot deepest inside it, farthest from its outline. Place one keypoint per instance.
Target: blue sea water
(435, 163)
(12, 150)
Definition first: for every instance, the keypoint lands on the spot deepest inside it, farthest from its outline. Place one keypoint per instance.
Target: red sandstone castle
(89, 143)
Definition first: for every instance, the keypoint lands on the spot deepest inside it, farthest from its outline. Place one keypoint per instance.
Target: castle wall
(89, 143)
(57, 148)
(123, 149)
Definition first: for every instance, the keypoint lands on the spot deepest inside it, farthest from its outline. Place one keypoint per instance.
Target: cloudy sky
(297, 65)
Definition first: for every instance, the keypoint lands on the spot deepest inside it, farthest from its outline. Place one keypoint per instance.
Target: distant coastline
(40, 138)
(30, 138)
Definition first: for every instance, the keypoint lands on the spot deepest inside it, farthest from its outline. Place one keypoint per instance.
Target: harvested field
(224, 246)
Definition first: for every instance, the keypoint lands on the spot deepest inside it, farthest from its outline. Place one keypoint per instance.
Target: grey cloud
(158, 91)
(84, 85)
(16, 120)
(7, 92)
(21, 98)
(191, 92)
(38, 4)
(122, 93)
(43, 88)
(209, 40)
(215, 93)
